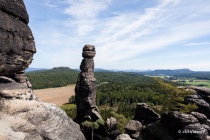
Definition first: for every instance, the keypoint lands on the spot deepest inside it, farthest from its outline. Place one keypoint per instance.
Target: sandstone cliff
(22, 115)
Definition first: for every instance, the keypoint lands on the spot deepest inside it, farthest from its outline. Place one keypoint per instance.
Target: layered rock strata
(176, 125)
(145, 115)
(22, 115)
(16, 39)
(86, 88)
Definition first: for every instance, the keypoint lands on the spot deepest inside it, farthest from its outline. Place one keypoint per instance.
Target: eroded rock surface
(24, 117)
(86, 88)
(111, 125)
(176, 125)
(145, 114)
(16, 40)
(133, 128)
(123, 137)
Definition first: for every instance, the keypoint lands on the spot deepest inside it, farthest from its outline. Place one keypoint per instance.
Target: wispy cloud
(197, 43)
(122, 34)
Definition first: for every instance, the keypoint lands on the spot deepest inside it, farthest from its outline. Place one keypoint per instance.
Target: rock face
(133, 129)
(61, 68)
(123, 137)
(86, 88)
(22, 115)
(145, 114)
(16, 39)
(201, 99)
(111, 124)
(176, 125)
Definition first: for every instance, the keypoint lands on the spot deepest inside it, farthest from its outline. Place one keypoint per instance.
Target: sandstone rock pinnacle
(86, 88)
(22, 115)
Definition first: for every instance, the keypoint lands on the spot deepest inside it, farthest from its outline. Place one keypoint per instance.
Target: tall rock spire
(86, 88)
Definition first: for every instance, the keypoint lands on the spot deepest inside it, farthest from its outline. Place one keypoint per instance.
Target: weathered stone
(22, 115)
(111, 124)
(36, 120)
(123, 137)
(86, 88)
(10, 89)
(133, 125)
(145, 114)
(88, 51)
(201, 117)
(204, 106)
(207, 128)
(15, 8)
(176, 125)
(87, 65)
(17, 45)
(133, 129)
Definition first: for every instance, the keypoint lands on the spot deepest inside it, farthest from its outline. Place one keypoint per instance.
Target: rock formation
(201, 99)
(16, 39)
(86, 88)
(22, 115)
(148, 125)
(145, 114)
(176, 125)
(133, 128)
(111, 125)
(61, 68)
(123, 137)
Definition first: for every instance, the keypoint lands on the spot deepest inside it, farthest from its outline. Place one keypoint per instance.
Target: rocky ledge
(24, 117)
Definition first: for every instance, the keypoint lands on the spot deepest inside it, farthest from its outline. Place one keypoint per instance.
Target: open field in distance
(58, 96)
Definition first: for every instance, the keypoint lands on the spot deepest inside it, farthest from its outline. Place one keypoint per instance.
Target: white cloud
(197, 43)
(86, 9)
(124, 33)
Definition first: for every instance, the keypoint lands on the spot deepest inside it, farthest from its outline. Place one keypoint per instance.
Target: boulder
(201, 117)
(207, 128)
(24, 116)
(204, 106)
(111, 124)
(176, 125)
(133, 129)
(145, 114)
(123, 137)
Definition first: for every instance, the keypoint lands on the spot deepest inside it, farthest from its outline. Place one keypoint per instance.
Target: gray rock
(17, 45)
(111, 124)
(176, 125)
(134, 125)
(86, 88)
(10, 89)
(15, 8)
(145, 114)
(203, 105)
(201, 117)
(207, 128)
(123, 137)
(23, 116)
(133, 129)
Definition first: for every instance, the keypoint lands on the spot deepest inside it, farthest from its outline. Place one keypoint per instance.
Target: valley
(58, 96)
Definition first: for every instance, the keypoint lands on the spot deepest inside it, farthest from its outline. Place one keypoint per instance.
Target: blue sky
(127, 34)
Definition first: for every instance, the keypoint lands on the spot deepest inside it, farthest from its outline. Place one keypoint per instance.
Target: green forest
(118, 93)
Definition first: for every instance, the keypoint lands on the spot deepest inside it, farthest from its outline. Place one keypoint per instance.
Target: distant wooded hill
(167, 72)
(61, 77)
